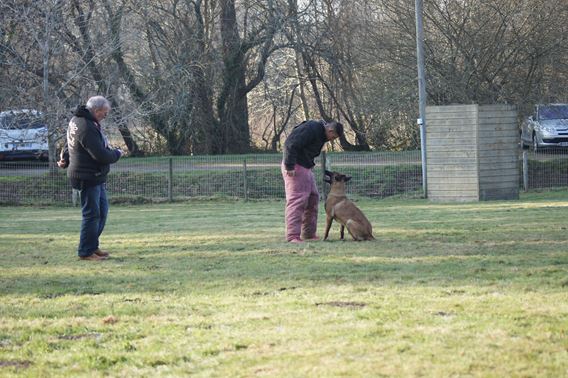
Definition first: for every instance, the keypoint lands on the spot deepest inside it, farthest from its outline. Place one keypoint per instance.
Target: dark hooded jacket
(304, 144)
(89, 154)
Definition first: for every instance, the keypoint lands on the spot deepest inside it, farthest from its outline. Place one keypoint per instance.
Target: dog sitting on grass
(340, 208)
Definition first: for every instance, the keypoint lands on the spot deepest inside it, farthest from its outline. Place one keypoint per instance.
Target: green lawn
(210, 289)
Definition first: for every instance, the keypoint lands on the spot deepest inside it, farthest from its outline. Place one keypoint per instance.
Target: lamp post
(421, 91)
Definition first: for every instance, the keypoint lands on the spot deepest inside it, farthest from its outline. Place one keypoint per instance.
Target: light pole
(421, 91)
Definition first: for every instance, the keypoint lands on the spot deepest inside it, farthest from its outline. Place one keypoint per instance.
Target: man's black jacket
(89, 155)
(304, 144)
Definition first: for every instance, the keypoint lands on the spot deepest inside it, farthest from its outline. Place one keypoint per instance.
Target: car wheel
(534, 143)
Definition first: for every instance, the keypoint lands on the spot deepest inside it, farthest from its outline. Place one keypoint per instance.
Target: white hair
(97, 102)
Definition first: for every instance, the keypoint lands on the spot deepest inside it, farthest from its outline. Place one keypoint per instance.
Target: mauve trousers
(302, 199)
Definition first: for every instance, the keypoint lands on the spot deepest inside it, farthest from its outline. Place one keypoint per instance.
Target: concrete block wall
(472, 152)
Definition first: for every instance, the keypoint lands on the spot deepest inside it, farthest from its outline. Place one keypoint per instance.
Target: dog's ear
(327, 177)
(328, 173)
(346, 178)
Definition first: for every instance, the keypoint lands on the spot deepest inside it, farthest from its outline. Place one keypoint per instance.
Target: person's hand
(291, 173)
(62, 163)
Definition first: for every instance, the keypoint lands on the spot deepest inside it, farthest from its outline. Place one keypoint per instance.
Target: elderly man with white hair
(89, 158)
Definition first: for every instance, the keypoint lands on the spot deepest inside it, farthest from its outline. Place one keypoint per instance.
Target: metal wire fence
(248, 177)
(545, 169)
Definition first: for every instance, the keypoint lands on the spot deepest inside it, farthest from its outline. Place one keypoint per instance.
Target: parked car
(547, 127)
(23, 135)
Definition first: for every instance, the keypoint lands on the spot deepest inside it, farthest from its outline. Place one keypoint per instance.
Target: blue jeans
(94, 208)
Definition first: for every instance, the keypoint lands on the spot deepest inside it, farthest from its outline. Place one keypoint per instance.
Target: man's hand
(62, 163)
(291, 173)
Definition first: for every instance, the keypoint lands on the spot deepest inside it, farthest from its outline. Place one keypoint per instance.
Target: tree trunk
(293, 9)
(232, 103)
(206, 135)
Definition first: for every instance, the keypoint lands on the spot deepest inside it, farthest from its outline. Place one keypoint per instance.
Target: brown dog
(340, 208)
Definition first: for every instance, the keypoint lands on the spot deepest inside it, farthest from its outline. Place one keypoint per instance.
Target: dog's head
(333, 177)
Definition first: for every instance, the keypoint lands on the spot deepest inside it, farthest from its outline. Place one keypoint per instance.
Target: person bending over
(302, 146)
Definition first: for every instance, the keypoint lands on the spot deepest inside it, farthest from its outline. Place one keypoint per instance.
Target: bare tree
(227, 76)
(493, 51)
(85, 21)
(326, 43)
(274, 104)
(244, 61)
(30, 51)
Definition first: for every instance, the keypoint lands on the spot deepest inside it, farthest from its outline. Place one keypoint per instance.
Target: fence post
(170, 180)
(525, 170)
(75, 197)
(245, 179)
(323, 159)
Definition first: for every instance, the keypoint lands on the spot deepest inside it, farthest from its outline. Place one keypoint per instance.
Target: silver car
(547, 127)
(23, 135)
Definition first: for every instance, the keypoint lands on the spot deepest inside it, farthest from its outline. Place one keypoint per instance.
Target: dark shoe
(93, 257)
(100, 253)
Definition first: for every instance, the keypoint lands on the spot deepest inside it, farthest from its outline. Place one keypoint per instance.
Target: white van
(23, 135)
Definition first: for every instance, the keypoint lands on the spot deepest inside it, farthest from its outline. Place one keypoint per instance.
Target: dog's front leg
(342, 231)
(328, 221)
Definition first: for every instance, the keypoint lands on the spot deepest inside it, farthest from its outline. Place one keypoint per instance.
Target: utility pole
(421, 91)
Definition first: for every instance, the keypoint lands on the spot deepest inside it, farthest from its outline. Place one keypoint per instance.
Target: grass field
(209, 289)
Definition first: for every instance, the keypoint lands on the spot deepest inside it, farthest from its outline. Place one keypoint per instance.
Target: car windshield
(553, 112)
(21, 121)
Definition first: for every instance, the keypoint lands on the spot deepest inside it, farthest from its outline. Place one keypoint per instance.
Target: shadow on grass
(283, 266)
(207, 247)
